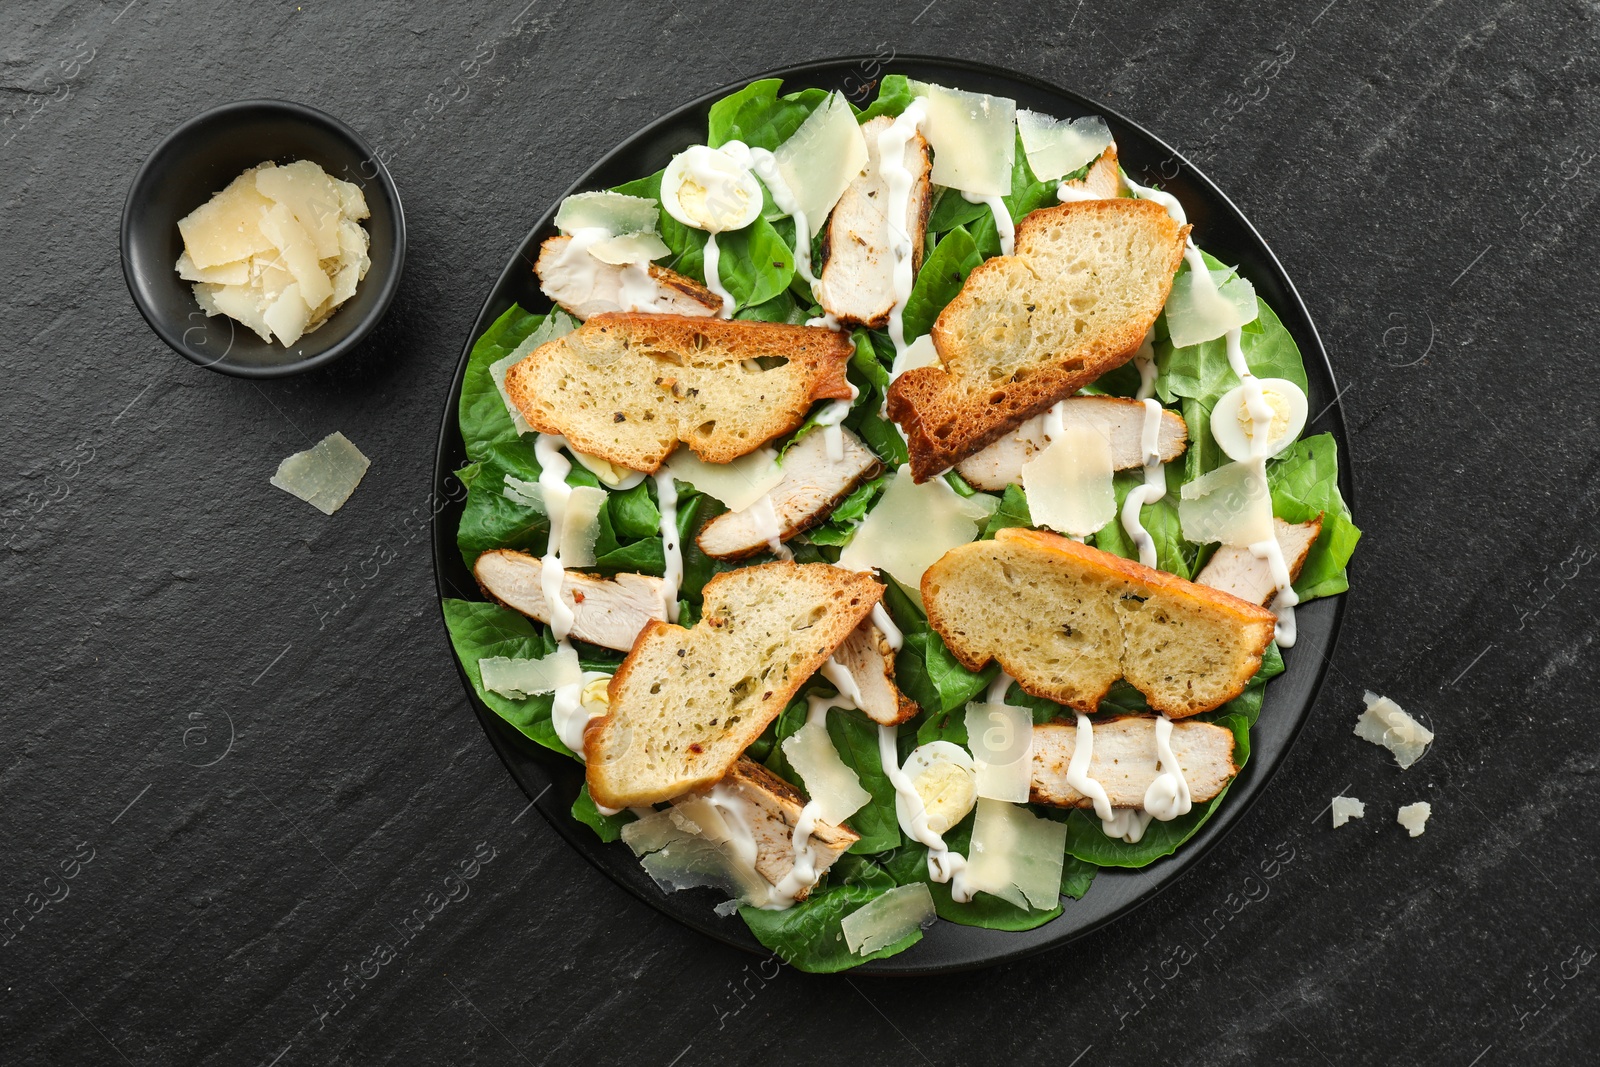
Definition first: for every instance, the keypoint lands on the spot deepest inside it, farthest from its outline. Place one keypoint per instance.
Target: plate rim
(1184, 858)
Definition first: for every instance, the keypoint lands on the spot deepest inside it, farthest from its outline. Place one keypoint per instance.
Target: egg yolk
(595, 696)
(1280, 416)
(947, 792)
(727, 201)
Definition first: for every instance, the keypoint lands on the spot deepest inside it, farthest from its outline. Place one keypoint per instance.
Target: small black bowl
(198, 159)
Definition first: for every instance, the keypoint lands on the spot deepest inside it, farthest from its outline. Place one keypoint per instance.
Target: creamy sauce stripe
(1261, 421)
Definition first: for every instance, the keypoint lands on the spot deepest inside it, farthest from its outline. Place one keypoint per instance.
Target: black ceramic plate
(553, 781)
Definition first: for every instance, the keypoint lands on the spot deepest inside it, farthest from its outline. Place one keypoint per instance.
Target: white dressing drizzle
(1069, 193)
(576, 260)
(765, 517)
(1261, 414)
(672, 574)
(714, 279)
(569, 716)
(1155, 478)
(891, 632)
(999, 688)
(943, 864)
(766, 168)
(803, 867)
(891, 164)
(727, 800)
(831, 419)
(638, 289)
(1002, 219)
(554, 467)
(1167, 796)
(1126, 823)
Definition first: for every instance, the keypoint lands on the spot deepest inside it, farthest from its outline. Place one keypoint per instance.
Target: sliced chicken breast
(606, 612)
(812, 486)
(771, 809)
(1102, 182)
(589, 287)
(869, 659)
(1124, 760)
(1119, 420)
(856, 285)
(1238, 571)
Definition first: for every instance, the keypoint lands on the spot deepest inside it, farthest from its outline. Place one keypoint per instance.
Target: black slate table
(236, 724)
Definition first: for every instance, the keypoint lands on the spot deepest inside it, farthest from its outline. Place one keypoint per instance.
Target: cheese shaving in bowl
(279, 249)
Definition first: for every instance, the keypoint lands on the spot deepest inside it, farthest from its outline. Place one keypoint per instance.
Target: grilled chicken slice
(588, 287)
(1124, 760)
(857, 281)
(1119, 420)
(606, 612)
(870, 661)
(1102, 182)
(771, 809)
(1238, 571)
(812, 486)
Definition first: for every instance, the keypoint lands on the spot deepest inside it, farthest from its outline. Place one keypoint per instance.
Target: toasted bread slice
(608, 612)
(1118, 420)
(772, 809)
(812, 486)
(1123, 760)
(1066, 621)
(1240, 572)
(1076, 300)
(595, 288)
(869, 660)
(686, 703)
(629, 387)
(856, 285)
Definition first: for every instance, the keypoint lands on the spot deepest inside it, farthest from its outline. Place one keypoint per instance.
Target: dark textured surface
(246, 714)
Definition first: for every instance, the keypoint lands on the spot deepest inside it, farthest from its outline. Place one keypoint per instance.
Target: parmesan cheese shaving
(227, 228)
(973, 137)
(523, 678)
(616, 213)
(278, 250)
(524, 493)
(1345, 809)
(635, 248)
(235, 273)
(298, 253)
(1069, 484)
(1057, 147)
(919, 353)
(1386, 723)
(1001, 739)
(888, 919)
(1016, 855)
(305, 190)
(580, 525)
(834, 787)
(820, 160)
(738, 484)
(1228, 505)
(913, 525)
(1205, 309)
(324, 475)
(1415, 816)
(675, 853)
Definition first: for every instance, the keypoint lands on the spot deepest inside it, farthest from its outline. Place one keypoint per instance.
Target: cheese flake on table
(324, 475)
